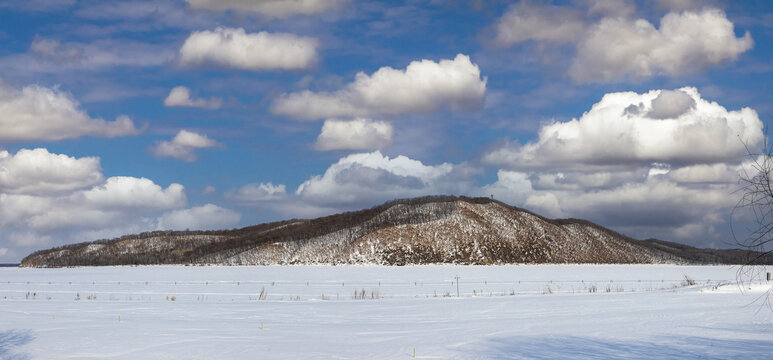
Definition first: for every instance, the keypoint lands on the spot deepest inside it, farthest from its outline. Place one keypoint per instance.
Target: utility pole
(457, 285)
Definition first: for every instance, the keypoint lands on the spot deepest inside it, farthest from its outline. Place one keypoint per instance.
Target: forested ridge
(434, 229)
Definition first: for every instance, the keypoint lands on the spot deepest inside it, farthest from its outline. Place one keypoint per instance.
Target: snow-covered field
(364, 312)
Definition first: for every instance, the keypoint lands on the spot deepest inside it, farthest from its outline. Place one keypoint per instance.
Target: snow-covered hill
(425, 230)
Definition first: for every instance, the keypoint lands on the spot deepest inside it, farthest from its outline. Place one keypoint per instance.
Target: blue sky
(127, 116)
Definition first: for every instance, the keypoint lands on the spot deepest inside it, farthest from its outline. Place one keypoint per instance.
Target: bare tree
(756, 180)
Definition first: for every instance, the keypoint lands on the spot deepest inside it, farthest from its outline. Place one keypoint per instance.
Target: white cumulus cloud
(611, 44)
(183, 145)
(272, 8)
(181, 96)
(235, 48)
(686, 42)
(619, 131)
(205, 217)
(368, 178)
(661, 164)
(131, 192)
(38, 172)
(257, 192)
(51, 199)
(423, 86)
(116, 202)
(357, 134)
(636, 207)
(706, 173)
(39, 113)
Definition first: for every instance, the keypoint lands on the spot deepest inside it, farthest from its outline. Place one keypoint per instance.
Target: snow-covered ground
(540, 311)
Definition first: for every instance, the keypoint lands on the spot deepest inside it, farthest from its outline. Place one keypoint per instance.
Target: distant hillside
(437, 229)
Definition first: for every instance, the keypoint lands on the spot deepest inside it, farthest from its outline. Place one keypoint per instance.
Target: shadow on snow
(11, 340)
(552, 347)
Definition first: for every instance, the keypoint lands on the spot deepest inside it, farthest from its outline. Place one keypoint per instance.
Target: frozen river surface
(367, 312)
